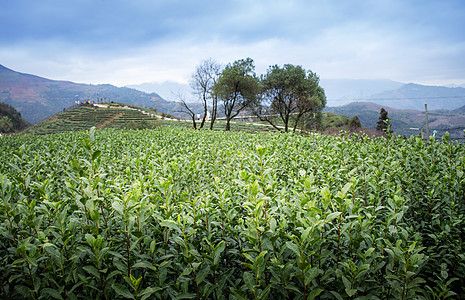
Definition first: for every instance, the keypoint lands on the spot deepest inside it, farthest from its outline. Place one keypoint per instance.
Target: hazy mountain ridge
(402, 120)
(415, 96)
(167, 90)
(342, 91)
(37, 98)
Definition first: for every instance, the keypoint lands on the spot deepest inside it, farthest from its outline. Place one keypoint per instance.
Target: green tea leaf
(351, 292)
(294, 248)
(217, 252)
(332, 216)
(92, 270)
(52, 293)
(118, 207)
(170, 224)
(314, 293)
(122, 290)
(249, 281)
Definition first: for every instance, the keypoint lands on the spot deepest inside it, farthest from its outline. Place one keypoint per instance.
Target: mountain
(415, 96)
(403, 120)
(343, 91)
(460, 110)
(37, 98)
(338, 91)
(393, 94)
(167, 90)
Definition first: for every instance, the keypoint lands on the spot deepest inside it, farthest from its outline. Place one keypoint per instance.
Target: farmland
(122, 116)
(172, 213)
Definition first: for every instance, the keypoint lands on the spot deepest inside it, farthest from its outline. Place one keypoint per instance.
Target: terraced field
(120, 116)
(85, 117)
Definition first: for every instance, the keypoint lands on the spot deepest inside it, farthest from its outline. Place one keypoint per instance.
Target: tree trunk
(228, 125)
(194, 124)
(203, 120)
(297, 121)
(212, 122)
(286, 124)
(213, 116)
(205, 111)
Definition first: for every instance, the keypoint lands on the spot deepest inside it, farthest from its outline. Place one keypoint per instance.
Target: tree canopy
(289, 92)
(383, 120)
(236, 88)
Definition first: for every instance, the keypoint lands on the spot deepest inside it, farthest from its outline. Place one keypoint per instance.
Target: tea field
(180, 214)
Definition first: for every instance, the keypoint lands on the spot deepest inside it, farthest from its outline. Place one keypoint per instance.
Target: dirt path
(102, 125)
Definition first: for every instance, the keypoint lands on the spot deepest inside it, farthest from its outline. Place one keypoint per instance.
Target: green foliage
(10, 119)
(5, 124)
(172, 213)
(355, 122)
(382, 124)
(115, 115)
(237, 87)
(138, 125)
(290, 92)
(331, 120)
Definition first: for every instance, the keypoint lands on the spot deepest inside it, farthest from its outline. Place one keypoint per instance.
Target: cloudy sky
(125, 42)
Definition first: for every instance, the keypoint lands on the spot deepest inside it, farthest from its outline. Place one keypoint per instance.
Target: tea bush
(172, 213)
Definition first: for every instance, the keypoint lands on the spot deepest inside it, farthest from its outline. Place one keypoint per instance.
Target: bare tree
(202, 81)
(187, 110)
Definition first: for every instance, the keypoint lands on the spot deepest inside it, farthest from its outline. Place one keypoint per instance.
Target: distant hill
(460, 110)
(415, 96)
(392, 93)
(37, 98)
(343, 91)
(167, 90)
(10, 119)
(402, 120)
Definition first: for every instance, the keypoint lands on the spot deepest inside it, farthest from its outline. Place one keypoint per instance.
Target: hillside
(37, 98)
(83, 117)
(10, 119)
(414, 96)
(124, 116)
(343, 91)
(402, 120)
(460, 110)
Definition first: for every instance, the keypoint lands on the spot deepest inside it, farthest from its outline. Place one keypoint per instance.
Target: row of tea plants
(178, 214)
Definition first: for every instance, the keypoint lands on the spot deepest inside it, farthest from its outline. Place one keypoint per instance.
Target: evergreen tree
(355, 122)
(382, 123)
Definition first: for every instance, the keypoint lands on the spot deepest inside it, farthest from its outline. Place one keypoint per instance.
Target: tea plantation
(180, 214)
